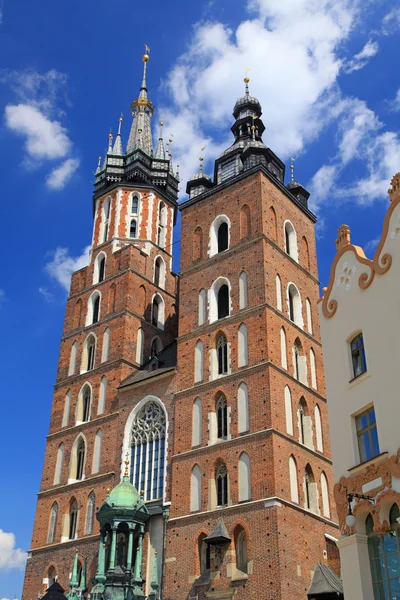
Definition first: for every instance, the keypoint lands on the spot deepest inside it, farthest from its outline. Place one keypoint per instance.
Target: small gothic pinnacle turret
(117, 150)
(142, 110)
(160, 152)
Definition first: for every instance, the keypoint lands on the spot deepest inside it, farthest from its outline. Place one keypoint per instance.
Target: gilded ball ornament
(145, 58)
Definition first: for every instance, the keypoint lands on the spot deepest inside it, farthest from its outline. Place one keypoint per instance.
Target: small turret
(199, 182)
(297, 189)
(160, 152)
(117, 150)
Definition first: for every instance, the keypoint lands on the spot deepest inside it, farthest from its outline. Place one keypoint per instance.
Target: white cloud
(48, 296)
(62, 265)
(59, 176)
(395, 104)
(371, 245)
(45, 139)
(292, 48)
(36, 117)
(10, 556)
(391, 22)
(362, 58)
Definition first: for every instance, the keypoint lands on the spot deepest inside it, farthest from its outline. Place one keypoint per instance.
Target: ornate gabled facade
(223, 419)
(359, 324)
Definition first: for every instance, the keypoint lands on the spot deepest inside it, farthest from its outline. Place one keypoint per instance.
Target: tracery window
(73, 519)
(221, 477)
(222, 417)
(148, 450)
(222, 355)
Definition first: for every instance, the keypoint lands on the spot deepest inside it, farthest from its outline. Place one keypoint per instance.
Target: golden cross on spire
(247, 79)
(126, 474)
(146, 47)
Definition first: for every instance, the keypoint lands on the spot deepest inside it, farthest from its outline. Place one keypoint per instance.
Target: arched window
(241, 550)
(98, 441)
(93, 313)
(51, 535)
(302, 422)
(204, 555)
(84, 404)
(294, 302)
(112, 297)
(309, 318)
(306, 253)
(288, 411)
(90, 510)
(222, 237)
(242, 290)
(221, 408)
(80, 459)
(78, 314)
(72, 359)
(245, 222)
(106, 345)
(384, 556)
(139, 346)
(313, 371)
(283, 349)
(159, 272)
(59, 464)
(197, 422)
(243, 350)
(102, 396)
(197, 250)
(244, 477)
(310, 490)
(299, 362)
(325, 496)
(134, 205)
(157, 313)
(358, 355)
(199, 362)
(243, 408)
(278, 293)
(105, 220)
(223, 301)
(273, 224)
(102, 268)
(141, 300)
(202, 307)
(67, 407)
(162, 225)
(156, 347)
(51, 576)
(222, 355)
(294, 490)
(221, 478)
(219, 235)
(318, 428)
(133, 229)
(73, 520)
(90, 352)
(195, 489)
(291, 240)
(148, 450)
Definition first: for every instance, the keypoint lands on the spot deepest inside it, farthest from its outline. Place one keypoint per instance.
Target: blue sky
(326, 75)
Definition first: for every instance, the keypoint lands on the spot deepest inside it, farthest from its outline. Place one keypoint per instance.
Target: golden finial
(110, 136)
(126, 474)
(76, 551)
(121, 116)
(108, 490)
(247, 78)
(142, 492)
(146, 57)
(292, 169)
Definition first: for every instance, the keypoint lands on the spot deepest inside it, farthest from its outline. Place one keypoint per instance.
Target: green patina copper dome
(124, 494)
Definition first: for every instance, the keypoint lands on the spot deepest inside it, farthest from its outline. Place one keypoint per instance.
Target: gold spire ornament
(292, 169)
(126, 474)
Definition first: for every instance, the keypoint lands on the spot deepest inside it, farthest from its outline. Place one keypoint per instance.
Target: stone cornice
(56, 489)
(98, 419)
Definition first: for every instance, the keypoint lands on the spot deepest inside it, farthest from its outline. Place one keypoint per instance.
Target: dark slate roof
(219, 535)
(55, 592)
(325, 581)
(162, 363)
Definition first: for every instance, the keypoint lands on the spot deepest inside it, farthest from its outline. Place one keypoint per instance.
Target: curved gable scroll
(381, 262)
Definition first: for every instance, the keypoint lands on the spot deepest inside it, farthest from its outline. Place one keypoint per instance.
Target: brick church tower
(224, 427)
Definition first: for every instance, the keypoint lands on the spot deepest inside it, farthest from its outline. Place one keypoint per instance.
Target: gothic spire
(142, 110)
(117, 150)
(160, 152)
(98, 166)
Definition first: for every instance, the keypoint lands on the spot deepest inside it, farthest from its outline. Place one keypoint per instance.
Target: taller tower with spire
(207, 452)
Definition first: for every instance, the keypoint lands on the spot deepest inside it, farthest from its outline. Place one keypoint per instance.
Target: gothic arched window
(241, 550)
(221, 477)
(223, 237)
(134, 205)
(80, 459)
(86, 404)
(148, 450)
(222, 355)
(102, 268)
(223, 301)
(73, 520)
(222, 417)
(132, 229)
(53, 523)
(91, 505)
